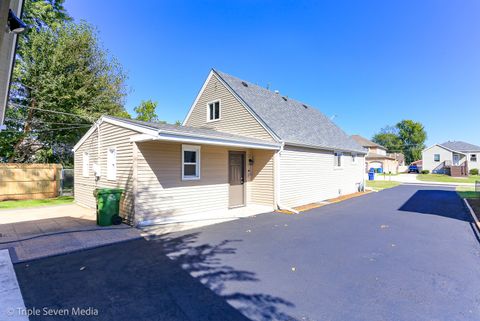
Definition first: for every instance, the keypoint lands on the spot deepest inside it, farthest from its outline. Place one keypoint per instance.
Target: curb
(474, 216)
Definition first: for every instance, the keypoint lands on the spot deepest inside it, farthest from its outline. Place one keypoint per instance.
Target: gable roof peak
(292, 121)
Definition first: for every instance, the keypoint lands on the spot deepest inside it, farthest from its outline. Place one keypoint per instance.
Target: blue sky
(371, 63)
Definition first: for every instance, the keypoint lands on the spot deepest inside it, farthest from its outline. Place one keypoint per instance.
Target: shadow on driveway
(147, 280)
(437, 202)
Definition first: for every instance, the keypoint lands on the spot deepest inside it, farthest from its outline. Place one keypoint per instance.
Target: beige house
(454, 158)
(241, 150)
(377, 156)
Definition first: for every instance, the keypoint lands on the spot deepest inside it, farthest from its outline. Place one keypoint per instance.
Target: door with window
(456, 159)
(236, 178)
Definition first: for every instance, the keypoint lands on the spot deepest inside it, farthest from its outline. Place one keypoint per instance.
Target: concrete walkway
(12, 306)
(34, 233)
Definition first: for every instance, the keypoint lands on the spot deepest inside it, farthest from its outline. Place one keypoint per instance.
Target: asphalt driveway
(408, 253)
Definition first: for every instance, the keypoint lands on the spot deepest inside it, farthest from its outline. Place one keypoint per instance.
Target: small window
(473, 157)
(436, 157)
(112, 163)
(338, 159)
(213, 111)
(190, 162)
(86, 164)
(354, 158)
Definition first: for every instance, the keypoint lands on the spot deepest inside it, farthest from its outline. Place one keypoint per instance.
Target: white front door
(456, 159)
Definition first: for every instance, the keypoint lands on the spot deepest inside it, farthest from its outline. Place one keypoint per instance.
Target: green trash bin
(108, 205)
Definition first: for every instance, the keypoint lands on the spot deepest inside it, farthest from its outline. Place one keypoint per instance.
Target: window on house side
(190, 162)
(338, 159)
(354, 158)
(473, 157)
(86, 164)
(436, 157)
(214, 111)
(112, 163)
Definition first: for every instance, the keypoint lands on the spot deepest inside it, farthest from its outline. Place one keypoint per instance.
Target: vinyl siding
(234, 118)
(162, 193)
(110, 136)
(476, 164)
(308, 176)
(428, 162)
(262, 180)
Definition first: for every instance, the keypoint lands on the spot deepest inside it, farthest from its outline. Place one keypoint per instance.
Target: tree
(388, 137)
(413, 136)
(63, 81)
(406, 136)
(146, 111)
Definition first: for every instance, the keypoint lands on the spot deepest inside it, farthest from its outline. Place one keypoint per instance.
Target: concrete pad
(12, 306)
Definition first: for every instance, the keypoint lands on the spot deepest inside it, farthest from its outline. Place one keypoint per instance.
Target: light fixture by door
(15, 25)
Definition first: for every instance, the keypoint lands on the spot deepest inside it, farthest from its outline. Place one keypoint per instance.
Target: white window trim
(110, 176)
(439, 158)
(192, 148)
(219, 110)
(335, 161)
(86, 164)
(476, 158)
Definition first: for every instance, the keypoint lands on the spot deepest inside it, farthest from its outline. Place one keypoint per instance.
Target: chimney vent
(277, 92)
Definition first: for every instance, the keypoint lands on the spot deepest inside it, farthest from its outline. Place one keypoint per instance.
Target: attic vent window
(305, 106)
(244, 84)
(284, 98)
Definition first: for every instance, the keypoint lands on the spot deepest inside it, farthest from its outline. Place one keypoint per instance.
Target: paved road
(407, 253)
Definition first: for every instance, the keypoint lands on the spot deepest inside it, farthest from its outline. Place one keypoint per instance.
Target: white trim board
(237, 97)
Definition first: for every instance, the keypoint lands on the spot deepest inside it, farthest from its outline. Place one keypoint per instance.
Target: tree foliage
(63, 80)
(146, 111)
(407, 137)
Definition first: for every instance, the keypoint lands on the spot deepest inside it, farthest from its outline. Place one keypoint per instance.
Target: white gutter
(277, 173)
(326, 148)
(196, 139)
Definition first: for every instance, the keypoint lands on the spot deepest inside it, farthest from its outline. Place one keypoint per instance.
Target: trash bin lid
(100, 191)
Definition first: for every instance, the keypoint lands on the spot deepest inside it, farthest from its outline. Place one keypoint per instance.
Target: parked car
(413, 169)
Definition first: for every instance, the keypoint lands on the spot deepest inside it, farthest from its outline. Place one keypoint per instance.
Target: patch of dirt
(475, 204)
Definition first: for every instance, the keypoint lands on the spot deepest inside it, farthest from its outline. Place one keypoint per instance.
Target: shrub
(425, 171)
(474, 171)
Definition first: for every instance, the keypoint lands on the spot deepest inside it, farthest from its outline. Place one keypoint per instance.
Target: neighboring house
(377, 156)
(453, 158)
(11, 26)
(241, 150)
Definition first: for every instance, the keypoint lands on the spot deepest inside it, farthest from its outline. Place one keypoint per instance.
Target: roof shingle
(461, 146)
(292, 121)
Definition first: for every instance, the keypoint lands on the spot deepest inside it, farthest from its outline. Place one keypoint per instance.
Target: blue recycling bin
(371, 176)
(380, 170)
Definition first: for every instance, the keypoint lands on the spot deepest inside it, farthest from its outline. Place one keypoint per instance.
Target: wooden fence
(29, 181)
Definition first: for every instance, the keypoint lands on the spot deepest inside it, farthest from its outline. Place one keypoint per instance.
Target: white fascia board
(240, 100)
(116, 122)
(446, 148)
(198, 97)
(180, 138)
(326, 148)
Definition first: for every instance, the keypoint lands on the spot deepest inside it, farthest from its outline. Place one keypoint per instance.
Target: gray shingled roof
(194, 131)
(292, 121)
(461, 146)
(365, 142)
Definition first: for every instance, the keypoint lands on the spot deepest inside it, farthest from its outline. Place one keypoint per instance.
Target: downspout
(277, 182)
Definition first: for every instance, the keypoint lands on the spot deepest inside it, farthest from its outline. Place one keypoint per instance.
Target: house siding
(162, 192)
(476, 164)
(110, 136)
(428, 162)
(234, 118)
(308, 176)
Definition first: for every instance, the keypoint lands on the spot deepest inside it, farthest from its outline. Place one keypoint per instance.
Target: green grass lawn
(381, 185)
(35, 203)
(467, 192)
(447, 179)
